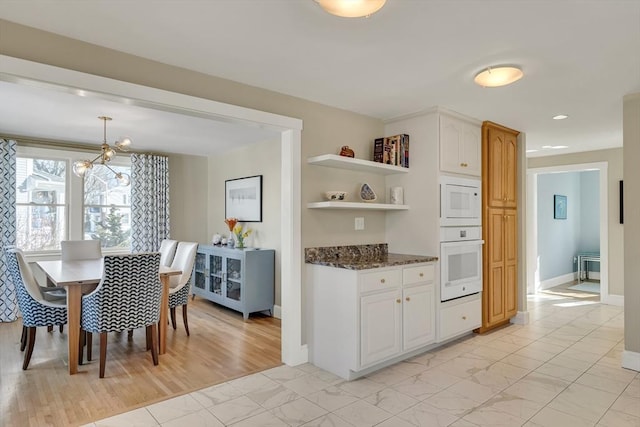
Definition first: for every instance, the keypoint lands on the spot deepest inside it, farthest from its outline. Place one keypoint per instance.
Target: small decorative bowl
(335, 196)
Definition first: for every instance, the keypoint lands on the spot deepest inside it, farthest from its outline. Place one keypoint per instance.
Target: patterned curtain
(149, 202)
(8, 302)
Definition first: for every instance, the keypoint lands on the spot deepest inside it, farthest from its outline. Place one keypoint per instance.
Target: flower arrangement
(240, 236)
(231, 223)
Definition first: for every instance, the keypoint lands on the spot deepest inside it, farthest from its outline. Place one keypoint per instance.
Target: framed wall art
(243, 198)
(559, 206)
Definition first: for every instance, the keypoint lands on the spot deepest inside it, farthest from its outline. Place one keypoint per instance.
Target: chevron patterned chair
(35, 309)
(128, 297)
(180, 286)
(167, 251)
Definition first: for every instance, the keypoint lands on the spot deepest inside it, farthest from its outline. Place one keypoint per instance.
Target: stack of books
(392, 150)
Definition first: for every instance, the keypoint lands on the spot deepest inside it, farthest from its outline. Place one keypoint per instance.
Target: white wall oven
(461, 261)
(460, 201)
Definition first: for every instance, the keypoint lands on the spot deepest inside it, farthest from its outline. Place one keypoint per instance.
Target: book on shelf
(378, 150)
(392, 150)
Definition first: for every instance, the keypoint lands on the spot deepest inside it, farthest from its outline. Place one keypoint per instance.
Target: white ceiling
(579, 58)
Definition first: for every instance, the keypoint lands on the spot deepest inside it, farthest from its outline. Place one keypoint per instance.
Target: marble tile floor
(562, 369)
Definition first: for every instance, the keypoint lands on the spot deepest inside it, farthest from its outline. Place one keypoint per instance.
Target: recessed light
(560, 117)
(497, 76)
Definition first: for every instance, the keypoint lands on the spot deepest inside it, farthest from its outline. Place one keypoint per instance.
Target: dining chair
(127, 297)
(179, 286)
(167, 251)
(35, 309)
(76, 250)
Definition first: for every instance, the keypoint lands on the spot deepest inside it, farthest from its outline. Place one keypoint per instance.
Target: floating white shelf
(341, 162)
(357, 205)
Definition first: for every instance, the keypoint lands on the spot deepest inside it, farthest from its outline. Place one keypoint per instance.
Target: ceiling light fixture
(351, 8)
(560, 117)
(81, 167)
(498, 76)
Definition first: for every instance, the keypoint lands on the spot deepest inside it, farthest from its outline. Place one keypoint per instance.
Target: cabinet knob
(462, 164)
(408, 298)
(382, 280)
(464, 317)
(421, 274)
(398, 300)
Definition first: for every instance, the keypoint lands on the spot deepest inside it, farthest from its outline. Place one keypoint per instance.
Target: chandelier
(107, 152)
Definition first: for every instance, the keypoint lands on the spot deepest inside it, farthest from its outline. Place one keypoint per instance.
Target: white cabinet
(460, 146)
(365, 319)
(459, 316)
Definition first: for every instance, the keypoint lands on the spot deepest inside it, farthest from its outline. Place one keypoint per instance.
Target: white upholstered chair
(76, 250)
(167, 251)
(181, 285)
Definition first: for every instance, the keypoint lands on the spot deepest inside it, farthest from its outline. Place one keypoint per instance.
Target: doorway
(539, 277)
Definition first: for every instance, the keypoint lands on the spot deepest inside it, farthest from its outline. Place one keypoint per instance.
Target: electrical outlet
(359, 225)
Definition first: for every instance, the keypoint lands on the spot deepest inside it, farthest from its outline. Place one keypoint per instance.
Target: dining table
(78, 275)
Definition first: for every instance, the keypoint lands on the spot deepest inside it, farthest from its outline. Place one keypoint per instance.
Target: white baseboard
(277, 312)
(617, 300)
(521, 318)
(631, 360)
(555, 281)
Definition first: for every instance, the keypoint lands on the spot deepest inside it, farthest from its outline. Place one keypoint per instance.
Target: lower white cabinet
(459, 316)
(365, 318)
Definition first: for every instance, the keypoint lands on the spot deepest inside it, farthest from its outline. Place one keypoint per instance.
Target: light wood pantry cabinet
(364, 318)
(460, 146)
(499, 219)
(240, 279)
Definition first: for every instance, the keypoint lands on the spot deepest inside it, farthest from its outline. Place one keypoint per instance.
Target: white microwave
(460, 201)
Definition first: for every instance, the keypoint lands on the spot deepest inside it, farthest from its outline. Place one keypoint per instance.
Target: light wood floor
(221, 347)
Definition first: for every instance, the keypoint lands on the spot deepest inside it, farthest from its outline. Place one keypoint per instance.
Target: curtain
(149, 202)
(8, 301)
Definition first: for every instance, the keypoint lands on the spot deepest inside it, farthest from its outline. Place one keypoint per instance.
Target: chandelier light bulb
(123, 179)
(80, 167)
(123, 143)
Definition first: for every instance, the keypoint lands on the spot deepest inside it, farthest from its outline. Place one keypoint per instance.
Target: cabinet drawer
(460, 318)
(379, 280)
(423, 273)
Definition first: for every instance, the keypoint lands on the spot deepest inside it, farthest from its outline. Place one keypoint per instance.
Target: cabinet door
(380, 320)
(233, 278)
(495, 152)
(510, 177)
(418, 316)
(511, 262)
(470, 143)
(450, 136)
(216, 275)
(494, 292)
(200, 274)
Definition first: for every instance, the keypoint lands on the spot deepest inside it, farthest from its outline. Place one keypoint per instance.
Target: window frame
(74, 202)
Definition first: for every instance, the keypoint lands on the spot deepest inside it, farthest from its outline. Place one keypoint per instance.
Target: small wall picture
(243, 199)
(559, 206)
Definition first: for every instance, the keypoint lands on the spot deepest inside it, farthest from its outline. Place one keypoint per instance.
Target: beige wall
(613, 157)
(189, 181)
(631, 125)
(257, 159)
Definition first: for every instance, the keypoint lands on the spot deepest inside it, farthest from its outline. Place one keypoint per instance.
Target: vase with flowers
(231, 223)
(240, 235)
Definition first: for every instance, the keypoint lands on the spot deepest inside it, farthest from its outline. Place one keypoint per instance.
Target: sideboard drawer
(422, 273)
(460, 318)
(379, 280)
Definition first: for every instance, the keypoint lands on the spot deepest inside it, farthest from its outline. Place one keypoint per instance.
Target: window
(53, 204)
(41, 212)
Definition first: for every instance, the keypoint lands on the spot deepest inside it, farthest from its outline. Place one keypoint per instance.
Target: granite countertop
(361, 257)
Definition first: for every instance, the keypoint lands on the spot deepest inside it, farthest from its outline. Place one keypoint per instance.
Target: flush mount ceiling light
(560, 117)
(81, 167)
(498, 76)
(351, 8)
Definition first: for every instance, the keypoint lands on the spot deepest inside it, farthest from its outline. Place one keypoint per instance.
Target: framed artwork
(559, 207)
(243, 198)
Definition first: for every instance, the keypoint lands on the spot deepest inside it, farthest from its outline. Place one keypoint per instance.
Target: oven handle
(462, 243)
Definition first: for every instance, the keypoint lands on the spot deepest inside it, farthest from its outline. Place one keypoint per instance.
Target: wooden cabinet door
(471, 145)
(495, 167)
(380, 326)
(450, 154)
(494, 292)
(418, 316)
(511, 262)
(510, 177)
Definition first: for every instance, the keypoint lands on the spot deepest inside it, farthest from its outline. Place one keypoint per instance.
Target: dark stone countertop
(361, 257)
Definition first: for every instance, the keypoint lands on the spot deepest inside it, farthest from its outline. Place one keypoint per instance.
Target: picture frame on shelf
(559, 206)
(243, 198)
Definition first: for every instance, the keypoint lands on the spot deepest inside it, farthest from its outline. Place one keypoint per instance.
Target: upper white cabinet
(460, 146)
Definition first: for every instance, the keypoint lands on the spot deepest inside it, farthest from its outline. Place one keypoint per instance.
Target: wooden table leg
(74, 301)
(164, 307)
